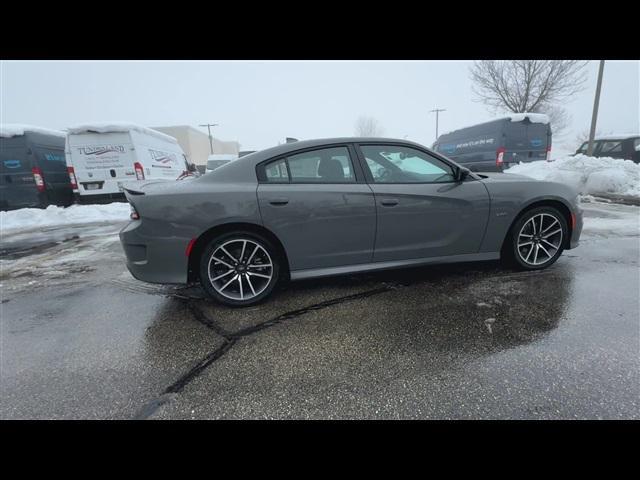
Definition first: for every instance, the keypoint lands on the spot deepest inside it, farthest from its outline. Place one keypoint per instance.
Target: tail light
(549, 153)
(39, 179)
(139, 171)
(134, 213)
(500, 156)
(72, 178)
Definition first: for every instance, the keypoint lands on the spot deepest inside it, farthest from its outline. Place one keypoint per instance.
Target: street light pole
(209, 125)
(437, 110)
(594, 116)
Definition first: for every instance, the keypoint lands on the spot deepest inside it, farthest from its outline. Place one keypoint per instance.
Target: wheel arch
(203, 240)
(545, 202)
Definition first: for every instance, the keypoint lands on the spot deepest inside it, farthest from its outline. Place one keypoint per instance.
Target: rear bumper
(153, 258)
(99, 198)
(577, 230)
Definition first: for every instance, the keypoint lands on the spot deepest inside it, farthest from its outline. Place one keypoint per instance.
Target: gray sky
(260, 103)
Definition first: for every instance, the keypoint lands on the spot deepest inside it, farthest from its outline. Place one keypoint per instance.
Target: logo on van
(52, 157)
(165, 158)
(536, 142)
(101, 149)
(12, 163)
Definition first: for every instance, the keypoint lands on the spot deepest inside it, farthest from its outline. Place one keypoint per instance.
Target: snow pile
(588, 175)
(8, 130)
(29, 218)
(123, 127)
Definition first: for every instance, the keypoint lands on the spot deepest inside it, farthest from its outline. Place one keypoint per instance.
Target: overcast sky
(261, 103)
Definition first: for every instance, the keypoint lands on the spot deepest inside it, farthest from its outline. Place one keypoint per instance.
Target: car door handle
(279, 201)
(389, 202)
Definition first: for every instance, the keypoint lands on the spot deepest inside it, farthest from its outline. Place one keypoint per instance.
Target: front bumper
(153, 258)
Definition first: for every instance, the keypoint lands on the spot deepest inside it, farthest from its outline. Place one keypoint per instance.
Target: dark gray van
(496, 145)
(33, 170)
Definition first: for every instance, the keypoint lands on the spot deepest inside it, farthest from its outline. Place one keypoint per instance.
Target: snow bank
(108, 127)
(9, 130)
(588, 175)
(29, 218)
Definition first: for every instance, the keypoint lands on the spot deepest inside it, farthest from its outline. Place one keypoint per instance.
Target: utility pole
(594, 116)
(209, 125)
(437, 110)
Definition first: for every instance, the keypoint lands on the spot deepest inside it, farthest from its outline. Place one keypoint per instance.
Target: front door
(422, 210)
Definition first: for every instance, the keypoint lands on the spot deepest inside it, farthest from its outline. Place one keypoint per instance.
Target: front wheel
(239, 269)
(537, 238)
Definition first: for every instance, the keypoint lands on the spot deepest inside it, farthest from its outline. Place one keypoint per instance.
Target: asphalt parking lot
(82, 339)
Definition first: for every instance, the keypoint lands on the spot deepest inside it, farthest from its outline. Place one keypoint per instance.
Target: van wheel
(537, 238)
(239, 269)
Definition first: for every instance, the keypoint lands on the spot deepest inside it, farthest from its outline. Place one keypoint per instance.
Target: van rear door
(525, 141)
(17, 184)
(101, 162)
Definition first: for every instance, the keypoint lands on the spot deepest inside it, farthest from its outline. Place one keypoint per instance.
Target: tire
(234, 281)
(525, 238)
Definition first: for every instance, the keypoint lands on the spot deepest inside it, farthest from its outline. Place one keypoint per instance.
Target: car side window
(399, 164)
(276, 172)
(328, 165)
(611, 147)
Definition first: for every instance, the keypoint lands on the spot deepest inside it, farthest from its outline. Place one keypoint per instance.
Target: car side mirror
(462, 173)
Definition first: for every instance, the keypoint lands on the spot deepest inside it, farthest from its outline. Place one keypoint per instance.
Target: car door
(422, 211)
(319, 206)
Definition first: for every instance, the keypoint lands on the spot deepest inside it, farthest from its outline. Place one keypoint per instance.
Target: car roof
(243, 169)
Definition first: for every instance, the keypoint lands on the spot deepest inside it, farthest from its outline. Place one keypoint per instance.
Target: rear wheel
(239, 269)
(537, 238)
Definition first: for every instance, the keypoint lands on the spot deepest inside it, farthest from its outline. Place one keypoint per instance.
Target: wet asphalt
(466, 341)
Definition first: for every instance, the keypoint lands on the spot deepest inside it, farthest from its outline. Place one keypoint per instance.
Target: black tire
(522, 257)
(231, 295)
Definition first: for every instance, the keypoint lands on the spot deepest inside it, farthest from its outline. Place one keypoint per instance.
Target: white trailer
(103, 158)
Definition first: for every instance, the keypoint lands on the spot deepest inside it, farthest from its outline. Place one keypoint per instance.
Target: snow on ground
(588, 175)
(609, 219)
(30, 218)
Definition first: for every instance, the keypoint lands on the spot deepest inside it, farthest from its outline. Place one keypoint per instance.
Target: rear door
(422, 211)
(318, 204)
(17, 185)
(101, 161)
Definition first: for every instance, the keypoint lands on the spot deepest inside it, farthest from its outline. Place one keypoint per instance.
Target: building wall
(195, 143)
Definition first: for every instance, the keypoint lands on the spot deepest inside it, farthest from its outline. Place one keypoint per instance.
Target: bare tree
(368, 127)
(559, 119)
(537, 86)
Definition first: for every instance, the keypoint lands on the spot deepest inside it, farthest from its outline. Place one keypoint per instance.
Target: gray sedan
(343, 205)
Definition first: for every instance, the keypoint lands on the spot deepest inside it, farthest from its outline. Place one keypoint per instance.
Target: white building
(195, 143)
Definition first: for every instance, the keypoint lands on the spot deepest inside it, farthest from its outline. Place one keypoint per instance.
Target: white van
(103, 158)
